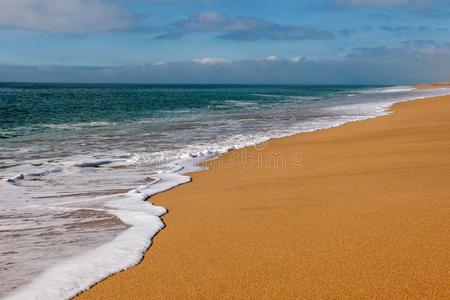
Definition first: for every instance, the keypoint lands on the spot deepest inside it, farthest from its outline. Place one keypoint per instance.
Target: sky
(225, 41)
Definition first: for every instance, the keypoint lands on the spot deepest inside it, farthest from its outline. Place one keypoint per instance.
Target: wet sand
(357, 211)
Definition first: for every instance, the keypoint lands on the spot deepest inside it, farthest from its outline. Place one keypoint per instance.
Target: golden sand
(434, 85)
(365, 215)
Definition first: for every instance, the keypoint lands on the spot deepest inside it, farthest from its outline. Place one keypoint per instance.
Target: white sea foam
(71, 126)
(78, 273)
(387, 90)
(93, 163)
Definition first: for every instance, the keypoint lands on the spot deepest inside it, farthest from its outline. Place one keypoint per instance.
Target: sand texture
(360, 211)
(434, 85)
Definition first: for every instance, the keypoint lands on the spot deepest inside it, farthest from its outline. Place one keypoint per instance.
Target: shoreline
(162, 243)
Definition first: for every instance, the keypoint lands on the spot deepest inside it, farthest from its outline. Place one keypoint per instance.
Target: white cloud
(297, 59)
(278, 59)
(211, 61)
(161, 63)
(63, 16)
(272, 58)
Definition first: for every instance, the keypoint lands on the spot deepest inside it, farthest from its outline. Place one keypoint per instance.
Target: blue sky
(225, 41)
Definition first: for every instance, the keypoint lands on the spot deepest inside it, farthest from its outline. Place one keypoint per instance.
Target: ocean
(77, 162)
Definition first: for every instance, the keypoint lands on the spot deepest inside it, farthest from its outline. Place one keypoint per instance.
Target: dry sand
(366, 215)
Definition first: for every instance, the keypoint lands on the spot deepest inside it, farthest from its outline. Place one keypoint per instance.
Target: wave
(387, 90)
(81, 125)
(82, 271)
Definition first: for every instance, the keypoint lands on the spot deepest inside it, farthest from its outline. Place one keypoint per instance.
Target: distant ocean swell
(74, 180)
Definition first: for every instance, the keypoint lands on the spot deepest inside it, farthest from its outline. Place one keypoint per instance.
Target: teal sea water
(31, 108)
(77, 161)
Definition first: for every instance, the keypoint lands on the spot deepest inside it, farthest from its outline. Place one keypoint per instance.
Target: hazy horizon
(162, 84)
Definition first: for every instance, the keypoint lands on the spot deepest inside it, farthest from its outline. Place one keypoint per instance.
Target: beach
(356, 211)
(434, 85)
